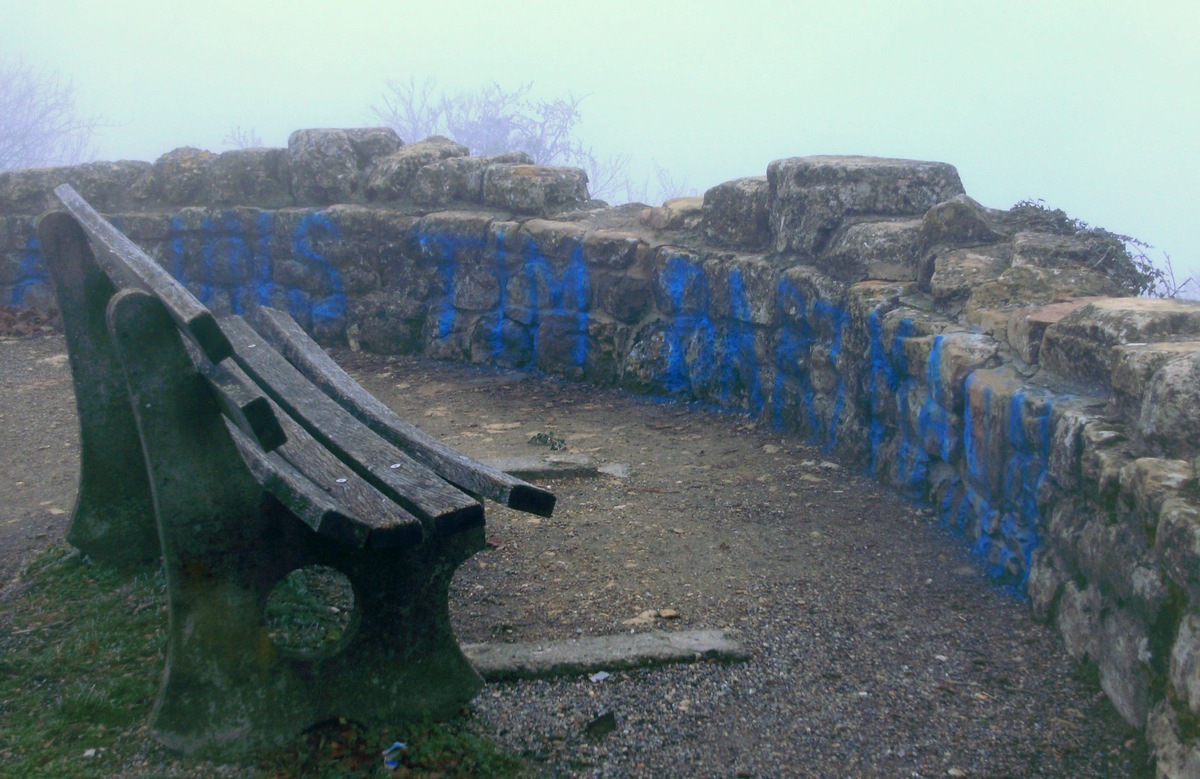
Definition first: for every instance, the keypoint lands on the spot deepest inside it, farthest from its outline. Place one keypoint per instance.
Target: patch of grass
(82, 651)
(310, 611)
(81, 656)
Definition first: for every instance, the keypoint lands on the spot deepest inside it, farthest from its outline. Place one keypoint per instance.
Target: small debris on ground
(551, 440)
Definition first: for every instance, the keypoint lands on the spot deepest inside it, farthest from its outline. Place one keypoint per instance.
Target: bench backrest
(300, 420)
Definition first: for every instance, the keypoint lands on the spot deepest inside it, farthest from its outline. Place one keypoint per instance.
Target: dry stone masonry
(989, 364)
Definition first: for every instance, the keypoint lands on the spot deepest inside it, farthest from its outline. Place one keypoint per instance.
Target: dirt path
(39, 446)
(879, 650)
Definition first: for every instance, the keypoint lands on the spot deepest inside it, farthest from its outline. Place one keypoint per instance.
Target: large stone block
(1134, 365)
(810, 196)
(742, 288)
(677, 213)
(1170, 414)
(1080, 345)
(1047, 575)
(1070, 419)
(1029, 285)
(475, 288)
(389, 321)
(1177, 755)
(452, 179)
(258, 177)
(681, 287)
(958, 273)
(1177, 544)
(1148, 482)
(1185, 663)
(961, 222)
(624, 298)
(323, 165)
(1027, 325)
(882, 250)
(12, 269)
(372, 143)
(177, 178)
(613, 249)
(503, 341)
(645, 364)
(551, 238)
(107, 186)
(533, 189)
(1106, 451)
(1047, 250)
(958, 355)
(608, 342)
(392, 177)
(451, 236)
(812, 302)
(1119, 557)
(1078, 619)
(736, 213)
(1123, 658)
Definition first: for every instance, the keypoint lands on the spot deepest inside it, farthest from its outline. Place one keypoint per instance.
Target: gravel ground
(878, 649)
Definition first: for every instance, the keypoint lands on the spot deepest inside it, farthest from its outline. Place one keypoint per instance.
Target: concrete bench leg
(226, 543)
(113, 520)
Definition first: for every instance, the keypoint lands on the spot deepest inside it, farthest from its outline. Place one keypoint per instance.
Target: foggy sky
(1091, 105)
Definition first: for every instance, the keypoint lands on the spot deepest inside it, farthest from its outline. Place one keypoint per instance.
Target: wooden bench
(240, 454)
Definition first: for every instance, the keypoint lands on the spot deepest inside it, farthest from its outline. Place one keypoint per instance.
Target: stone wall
(976, 360)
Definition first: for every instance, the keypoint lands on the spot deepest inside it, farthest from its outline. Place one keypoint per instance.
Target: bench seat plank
(242, 402)
(364, 517)
(443, 507)
(350, 511)
(471, 475)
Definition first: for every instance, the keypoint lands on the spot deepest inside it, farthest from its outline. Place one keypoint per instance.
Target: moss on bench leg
(226, 543)
(113, 520)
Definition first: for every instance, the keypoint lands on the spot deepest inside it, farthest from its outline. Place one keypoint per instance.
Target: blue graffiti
(175, 250)
(817, 324)
(739, 368)
(1005, 493)
(263, 274)
(930, 433)
(567, 298)
(690, 325)
(888, 370)
(564, 298)
(32, 272)
(444, 250)
(333, 304)
(234, 260)
(496, 343)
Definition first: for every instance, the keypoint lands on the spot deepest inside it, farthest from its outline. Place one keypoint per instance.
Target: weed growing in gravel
(81, 652)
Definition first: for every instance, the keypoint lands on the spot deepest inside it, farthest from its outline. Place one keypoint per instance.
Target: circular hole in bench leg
(312, 612)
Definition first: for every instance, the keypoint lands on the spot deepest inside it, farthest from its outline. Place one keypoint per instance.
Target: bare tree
(494, 120)
(413, 111)
(39, 122)
(242, 138)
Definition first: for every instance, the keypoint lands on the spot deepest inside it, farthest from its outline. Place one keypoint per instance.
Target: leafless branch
(39, 122)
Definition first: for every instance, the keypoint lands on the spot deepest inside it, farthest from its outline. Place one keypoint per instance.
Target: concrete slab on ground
(501, 662)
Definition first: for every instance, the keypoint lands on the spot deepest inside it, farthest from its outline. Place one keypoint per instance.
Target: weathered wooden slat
(129, 260)
(366, 517)
(287, 336)
(419, 490)
(328, 497)
(243, 403)
(301, 497)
